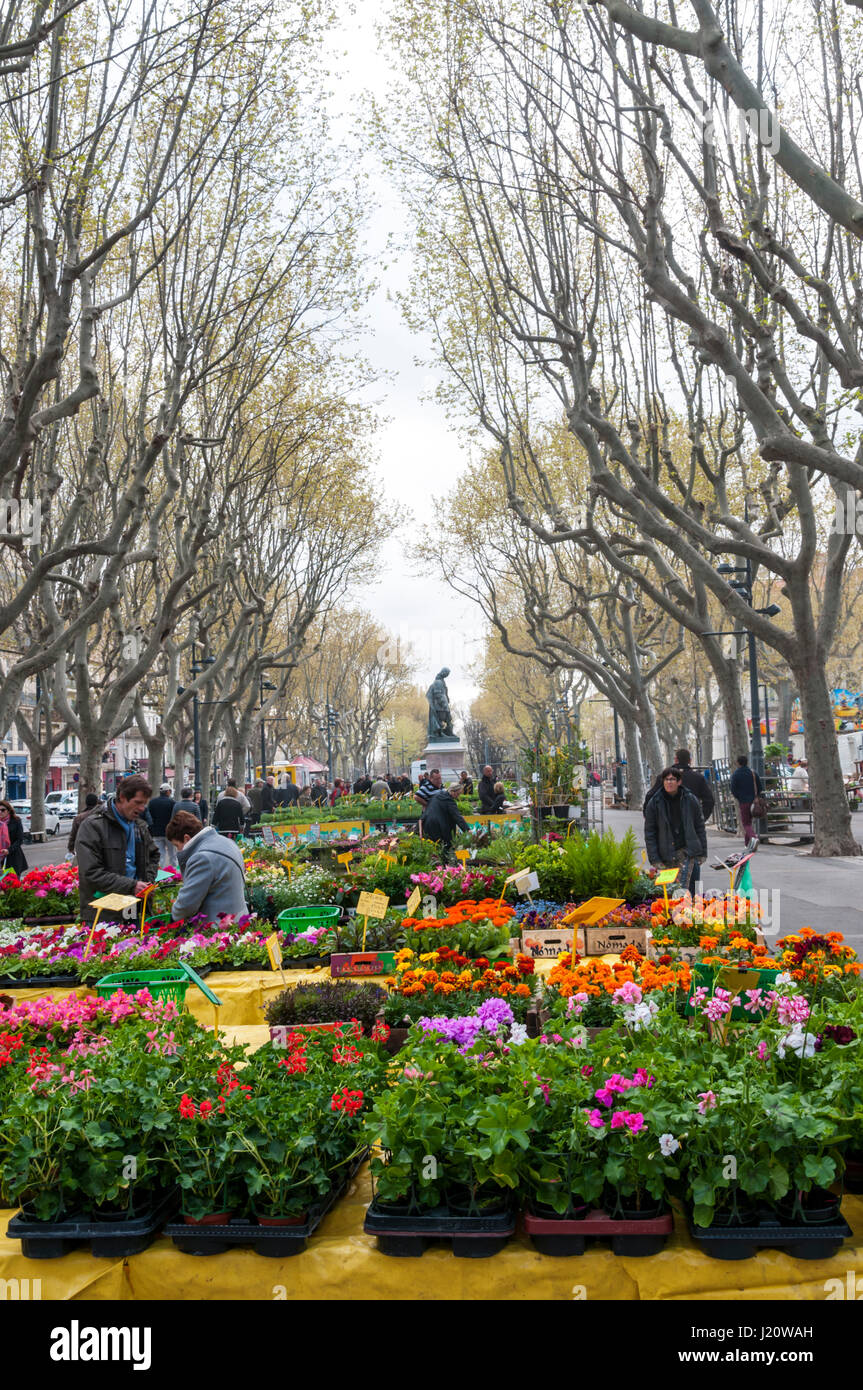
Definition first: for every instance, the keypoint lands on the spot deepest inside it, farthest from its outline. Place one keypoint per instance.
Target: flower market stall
(683, 1118)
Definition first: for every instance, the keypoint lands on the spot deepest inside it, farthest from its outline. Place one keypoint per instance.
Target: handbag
(759, 808)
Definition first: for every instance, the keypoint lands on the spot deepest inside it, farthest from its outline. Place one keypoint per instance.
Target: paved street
(826, 894)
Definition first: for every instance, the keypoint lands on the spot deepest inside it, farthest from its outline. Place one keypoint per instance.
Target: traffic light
(134, 764)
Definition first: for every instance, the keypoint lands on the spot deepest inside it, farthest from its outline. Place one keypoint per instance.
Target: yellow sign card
(372, 905)
(666, 876)
(414, 901)
(274, 951)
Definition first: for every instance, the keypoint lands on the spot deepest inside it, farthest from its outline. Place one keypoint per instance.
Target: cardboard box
(689, 953)
(604, 941)
(546, 945)
(363, 963)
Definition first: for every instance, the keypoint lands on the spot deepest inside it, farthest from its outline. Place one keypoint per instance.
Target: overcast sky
(420, 457)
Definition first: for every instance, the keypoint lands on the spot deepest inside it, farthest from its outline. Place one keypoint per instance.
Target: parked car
(65, 803)
(52, 817)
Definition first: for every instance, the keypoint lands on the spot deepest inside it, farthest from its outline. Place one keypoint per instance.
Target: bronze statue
(440, 715)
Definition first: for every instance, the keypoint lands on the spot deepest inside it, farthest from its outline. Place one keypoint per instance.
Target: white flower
(668, 1145)
(800, 1043)
(640, 1015)
(517, 1033)
(786, 980)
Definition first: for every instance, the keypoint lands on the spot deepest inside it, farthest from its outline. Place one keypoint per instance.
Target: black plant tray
(473, 1237)
(39, 982)
(303, 962)
(64, 919)
(853, 1177)
(275, 1242)
(48, 1240)
(560, 1236)
(801, 1242)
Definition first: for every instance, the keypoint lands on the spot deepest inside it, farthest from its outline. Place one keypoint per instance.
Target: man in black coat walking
(161, 810)
(694, 782)
(442, 817)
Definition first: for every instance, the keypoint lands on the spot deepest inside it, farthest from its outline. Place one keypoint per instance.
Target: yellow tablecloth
(341, 1262)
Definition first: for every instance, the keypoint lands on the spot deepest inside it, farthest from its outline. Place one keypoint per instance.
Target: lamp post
(264, 685)
(327, 725)
(744, 587)
(196, 668)
(766, 713)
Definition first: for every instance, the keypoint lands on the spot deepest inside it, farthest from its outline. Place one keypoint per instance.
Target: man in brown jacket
(115, 850)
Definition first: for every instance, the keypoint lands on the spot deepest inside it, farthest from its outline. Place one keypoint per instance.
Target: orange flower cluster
(809, 955)
(423, 976)
(596, 977)
(467, 911)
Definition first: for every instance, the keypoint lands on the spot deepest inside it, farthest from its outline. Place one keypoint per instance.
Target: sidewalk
(825, 894)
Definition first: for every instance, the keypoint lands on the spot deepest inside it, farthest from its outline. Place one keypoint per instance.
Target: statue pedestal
(448, 754)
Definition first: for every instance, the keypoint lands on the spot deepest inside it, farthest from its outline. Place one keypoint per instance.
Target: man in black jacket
(161, 810)
(694, 782)
(674, 832)
(114, 848)
(487, 795)
(442, 816)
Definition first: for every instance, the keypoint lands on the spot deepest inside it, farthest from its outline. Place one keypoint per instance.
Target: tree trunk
(39, 760)
(633, 765)
(90, 776)
(646, 720)
(833, 833)
(238, 762)
(728, 679)
(785, 695)
(180, 743)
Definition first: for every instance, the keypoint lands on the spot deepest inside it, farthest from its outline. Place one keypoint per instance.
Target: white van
(64, 803)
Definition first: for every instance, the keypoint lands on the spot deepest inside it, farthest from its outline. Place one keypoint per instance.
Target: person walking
(442, 818)
(256, 797)
(212, 868)
(694, 782)
(161, 810)
(12, 839)
(290, 793)
(229, 816)
(114, 848)
(268, 797)
(674, 832)
(188, 803)
(91, 801)
(746, 787)
(363, 785)
(232, 788)
(200, 802)
(487, 794)
(380, 789)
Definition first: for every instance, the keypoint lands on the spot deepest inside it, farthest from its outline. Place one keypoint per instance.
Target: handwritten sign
(462, 855)
(593, 910)
(666, 876)
(373, 905)
(274, 951)
(267, 835)
(357, 963)
(345, 858)
(414, 901)
(546, 945)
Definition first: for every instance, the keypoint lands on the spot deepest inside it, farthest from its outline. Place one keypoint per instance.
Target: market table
(341, 1262)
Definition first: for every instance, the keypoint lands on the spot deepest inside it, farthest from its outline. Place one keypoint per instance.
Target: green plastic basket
(162, 984)
(297, 919)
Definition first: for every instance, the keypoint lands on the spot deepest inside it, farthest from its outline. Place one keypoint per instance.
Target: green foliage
(600, 866)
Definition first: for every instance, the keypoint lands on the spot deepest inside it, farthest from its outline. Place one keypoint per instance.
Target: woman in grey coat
(212, 868)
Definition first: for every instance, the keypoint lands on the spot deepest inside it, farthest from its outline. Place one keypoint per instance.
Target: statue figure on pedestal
(440, 715)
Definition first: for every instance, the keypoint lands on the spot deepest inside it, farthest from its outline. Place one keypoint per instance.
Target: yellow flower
(430, 955)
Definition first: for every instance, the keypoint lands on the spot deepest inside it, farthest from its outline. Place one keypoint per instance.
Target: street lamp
(196, 668)
(265, 685)
(329, 722)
